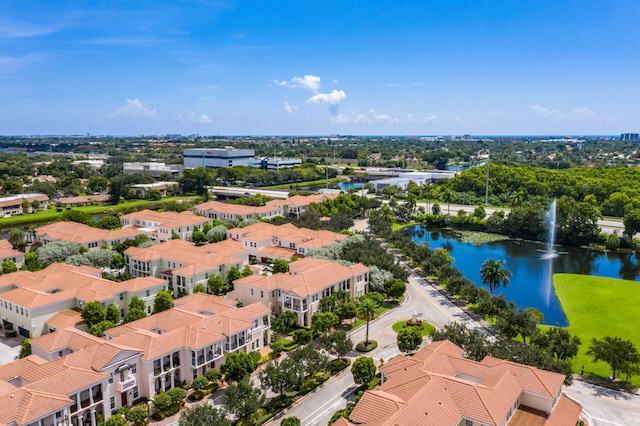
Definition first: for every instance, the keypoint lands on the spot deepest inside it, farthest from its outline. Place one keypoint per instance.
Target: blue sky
(425, 67)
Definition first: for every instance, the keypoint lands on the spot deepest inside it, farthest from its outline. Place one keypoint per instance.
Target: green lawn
(425, 329)
(598, 307)
(52, 215)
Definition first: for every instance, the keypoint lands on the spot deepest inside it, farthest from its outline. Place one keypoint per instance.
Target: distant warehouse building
(228, 157)
(154, 169)
(218, 157)
(278, 163)
(630, 136)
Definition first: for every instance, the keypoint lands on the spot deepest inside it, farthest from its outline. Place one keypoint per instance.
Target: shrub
(363, 347)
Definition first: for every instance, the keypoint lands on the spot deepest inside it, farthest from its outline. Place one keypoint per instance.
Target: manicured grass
(598, 307)
(397, 225)
(52, 215)
(301, 184)
(425, 328)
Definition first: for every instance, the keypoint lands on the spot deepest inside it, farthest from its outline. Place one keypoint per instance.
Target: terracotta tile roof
(180, 251)
(235, 209)
(7, 251)
(59, 282)
(26, 405)
(84, 199)
(64, 319)
(82, 234)
(169, 220)
(71, 338)
(16, 200)
(376, 406)
(565, 412)
(438, 387)
(306, 276)
(198, 320)
(302, 200)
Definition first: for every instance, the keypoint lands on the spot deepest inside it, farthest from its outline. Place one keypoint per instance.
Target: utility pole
(327, 172)
(486, 190)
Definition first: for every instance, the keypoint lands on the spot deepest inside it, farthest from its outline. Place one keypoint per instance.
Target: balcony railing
(126, 385)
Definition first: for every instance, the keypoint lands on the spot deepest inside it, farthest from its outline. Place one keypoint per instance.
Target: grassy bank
(292, 186)
(598, 307)
(53, 215)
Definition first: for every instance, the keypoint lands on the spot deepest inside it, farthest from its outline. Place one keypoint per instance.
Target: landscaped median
(597, 307)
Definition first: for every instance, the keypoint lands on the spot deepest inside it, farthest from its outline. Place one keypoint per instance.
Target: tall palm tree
(493, 274)
(367, 310)
(449, 196)
(17, 239)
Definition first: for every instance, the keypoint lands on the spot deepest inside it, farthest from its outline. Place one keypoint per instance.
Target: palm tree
(17, 240)
(367, 310)
(493, 274)
(449, 196)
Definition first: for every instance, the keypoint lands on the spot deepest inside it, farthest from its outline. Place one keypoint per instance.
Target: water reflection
(532, 281)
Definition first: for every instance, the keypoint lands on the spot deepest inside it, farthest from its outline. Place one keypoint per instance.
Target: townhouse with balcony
(29, 300)
(166, 224)
(23, 203)
(297, 204)
(73, 378)
(225, 211)
(301, 289)
(266, 242)
(184, 265)
(82, 234)
(437, 386)
(8, 253)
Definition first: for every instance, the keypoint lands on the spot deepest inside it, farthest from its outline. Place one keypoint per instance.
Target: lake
(531, 282)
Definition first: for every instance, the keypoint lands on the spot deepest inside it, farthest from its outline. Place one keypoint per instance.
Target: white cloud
(575, 114)
(538, 109)
(16, 29)
(583, 112)
(370, 118)
(192, 118)
(289, 108)
(333, 98)
(308, 82)
(382, 118)
(134, 108)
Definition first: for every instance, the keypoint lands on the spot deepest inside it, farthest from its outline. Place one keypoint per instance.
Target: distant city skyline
(215, 67)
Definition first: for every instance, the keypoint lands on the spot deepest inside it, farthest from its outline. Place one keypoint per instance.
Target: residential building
(83, 200)
(23, 203)
(297, 204)
(8, 253)
(28, 300)
(218, 157)
(275, 163)
(165, 188)
(167, 224)
(437, 386)
(266, 242)
(300, 290)
(82, 234)
(154, 169)
(72, 378)
(184, 265)
(225, 211)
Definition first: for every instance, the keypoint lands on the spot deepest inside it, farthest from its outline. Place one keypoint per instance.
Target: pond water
(345, 186)
(531, 280)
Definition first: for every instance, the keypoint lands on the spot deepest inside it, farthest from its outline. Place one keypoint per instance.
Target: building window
(121, 296)
(468, 423)
(136, 393)
(134, 369)
(112, 402)
(148, 293)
